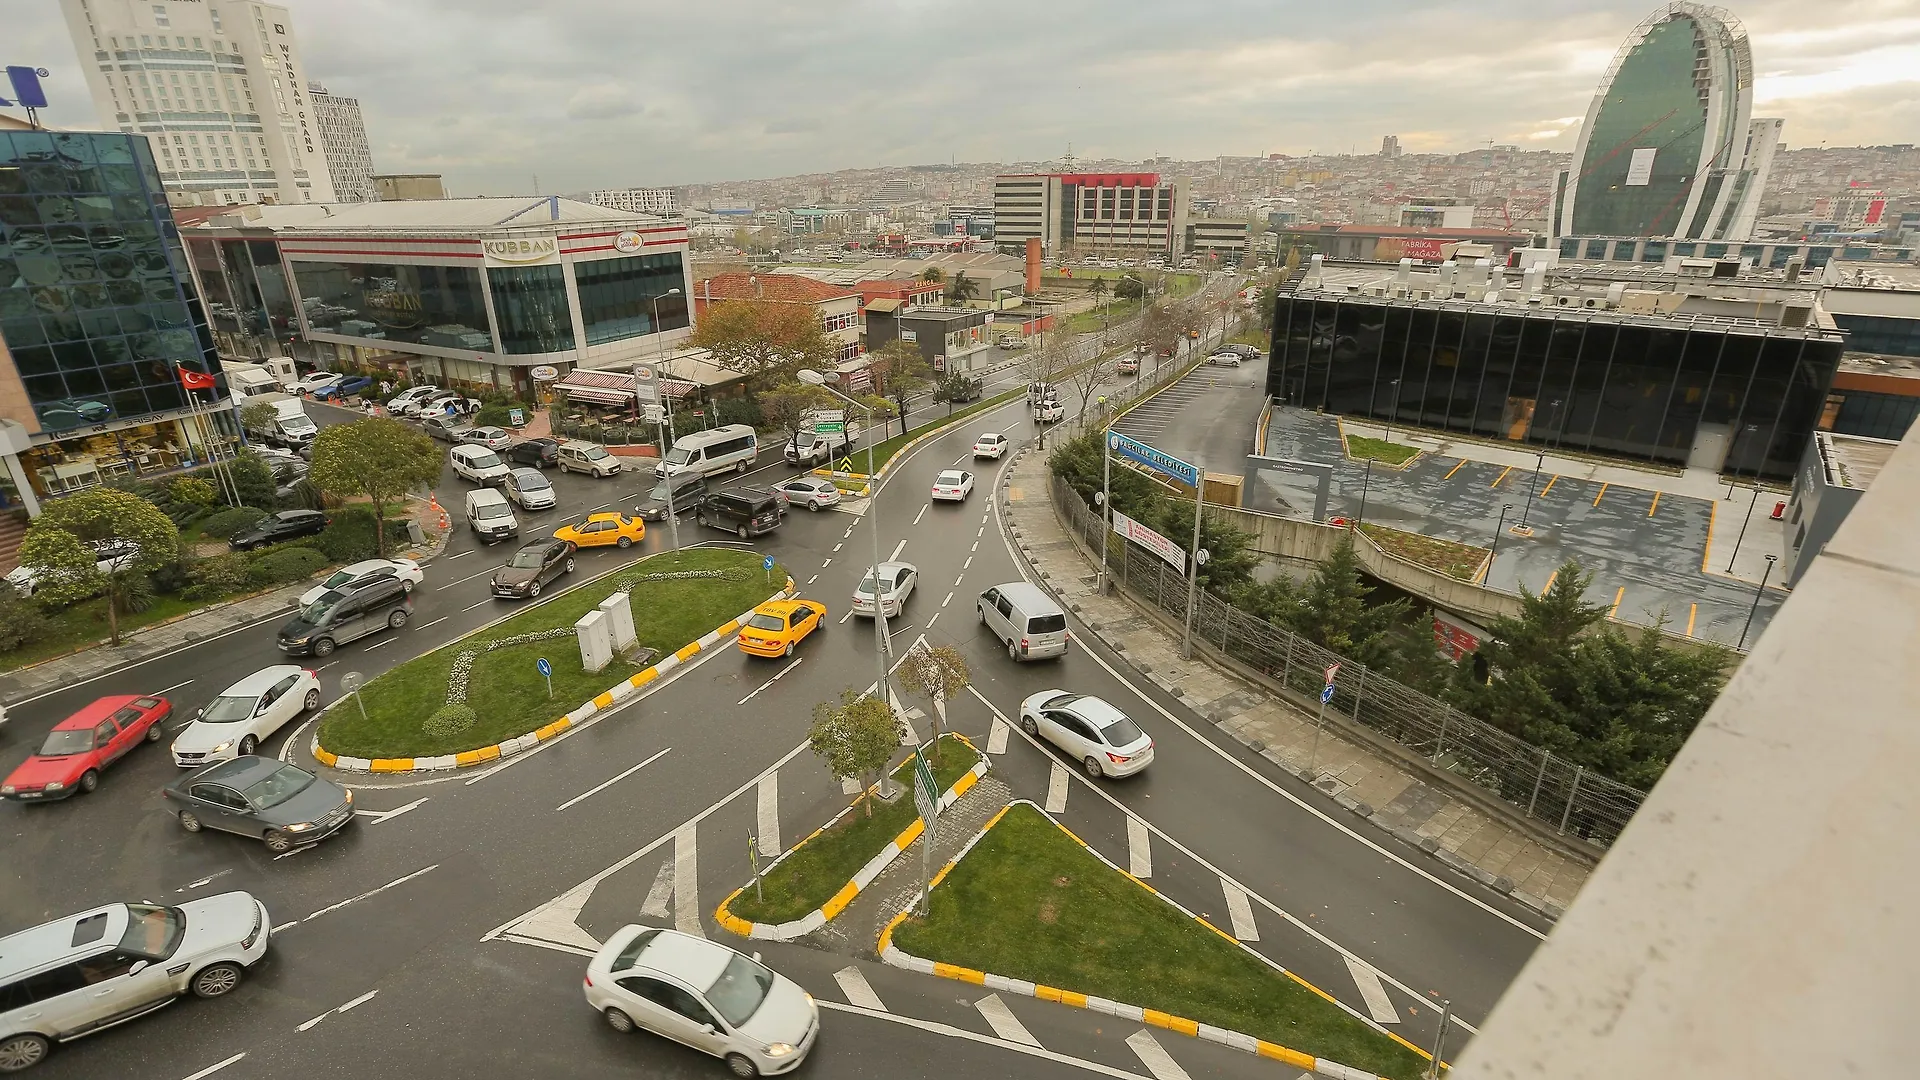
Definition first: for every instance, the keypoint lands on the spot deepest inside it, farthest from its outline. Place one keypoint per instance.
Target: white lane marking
(847, 615)
(985, 1040)
(356, 1002)
(1241, 912)
(216, 1067)
(191, 885)
(379, 816)
(837, 547)
(1139, 848)
(935, 619)
(1057, 789)
(1003, 1022)
(686, 881)
(826, 564)
(975, 547)
(959, 579)
(1379, 1005)
(309, 1025)
(173, 654)
(980, 533)
(481, 604)
(599, 508)
(468, 578)
(921, 514)
(660, 895)
(897, 549)
(462, 554)
(767, 819)
(997, 737)
(967, 565)
(1155, 1057)
(770, 682)
(286, 926)
(383, 641)
(590, 792)
(858, 990)
(169, 689)
(947, 601)
(813, 579)
(371, 892)
(435, 622)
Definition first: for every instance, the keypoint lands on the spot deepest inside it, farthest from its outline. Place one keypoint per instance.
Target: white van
(490, 516)
(1025, 619)
(723, 449)
(478, 465)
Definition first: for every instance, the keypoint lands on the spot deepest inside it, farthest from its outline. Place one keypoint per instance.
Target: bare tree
(938, 673)
(1086, 379)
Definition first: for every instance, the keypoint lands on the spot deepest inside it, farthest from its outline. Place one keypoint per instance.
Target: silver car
(493, 438)
(810, 492)
(87, 972)
(531, 489)
(704, 995)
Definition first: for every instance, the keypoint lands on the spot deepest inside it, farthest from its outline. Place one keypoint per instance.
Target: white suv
(87, 972)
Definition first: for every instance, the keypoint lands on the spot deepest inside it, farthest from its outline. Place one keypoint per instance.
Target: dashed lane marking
(897, 549)
(813, 579)
(1139, 848)
(1003, 1022)
(1155, 1057)
(598, 788)
(216, 1067)
(481, 604)
(948, 600)
(858, 991)
(767, 819)
(921, 514)
(686, 881)
(1057, 790)
(435, 622)
(1240, 912)
(371, 892)
(1379, 1005)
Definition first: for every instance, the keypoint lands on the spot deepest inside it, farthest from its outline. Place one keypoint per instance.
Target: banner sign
(1166, 464)
(1174, 554)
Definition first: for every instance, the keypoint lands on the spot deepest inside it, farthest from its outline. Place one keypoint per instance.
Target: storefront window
(420, 305)
(530, 303)
(617, 296)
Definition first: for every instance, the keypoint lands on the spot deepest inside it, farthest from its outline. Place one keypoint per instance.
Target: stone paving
(1364, 781)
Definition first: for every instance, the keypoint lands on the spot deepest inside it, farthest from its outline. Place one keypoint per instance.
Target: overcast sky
(609, 93)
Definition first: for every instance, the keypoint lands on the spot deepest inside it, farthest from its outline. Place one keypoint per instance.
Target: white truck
(288, 425)
(824, 434)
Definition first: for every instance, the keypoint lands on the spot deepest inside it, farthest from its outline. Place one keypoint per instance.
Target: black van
(343, 615)
(742, 511)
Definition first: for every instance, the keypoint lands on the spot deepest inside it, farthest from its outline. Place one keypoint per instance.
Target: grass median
(821, 866)
(1447, 556)
(1360, 448)
(505, 689)
(1029, 903)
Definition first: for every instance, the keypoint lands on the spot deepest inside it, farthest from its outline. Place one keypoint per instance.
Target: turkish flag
(194, 380)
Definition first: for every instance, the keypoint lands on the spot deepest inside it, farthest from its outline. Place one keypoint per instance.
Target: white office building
(217, 86)
(638, 200)
(343, 142)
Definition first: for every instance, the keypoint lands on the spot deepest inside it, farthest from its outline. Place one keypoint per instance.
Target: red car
(83, 744)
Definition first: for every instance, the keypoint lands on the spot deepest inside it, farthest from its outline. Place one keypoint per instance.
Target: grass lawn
(85, 623)
(1450, 558)
(506, 689)
(1029, 903)
(884, 451)
(1359, 447)
(820, 867)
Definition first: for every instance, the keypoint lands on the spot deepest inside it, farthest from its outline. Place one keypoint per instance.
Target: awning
(884, 304)
(604, 387)
(593, 395)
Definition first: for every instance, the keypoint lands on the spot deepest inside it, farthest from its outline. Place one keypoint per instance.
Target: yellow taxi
(603, 530)
(776, 626)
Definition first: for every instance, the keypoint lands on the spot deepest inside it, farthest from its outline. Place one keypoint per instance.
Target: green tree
(937, 673)
(933, 274)
(962, 289)
(1098, 288)
(767, 341)
(258, 417)
(379, 458)
(953, 387)
(1129, 287)
(253, 479)
(784, 405)
(1333, 611)
(192, 491)
(856, 738)
(57, 545)
(901, 375)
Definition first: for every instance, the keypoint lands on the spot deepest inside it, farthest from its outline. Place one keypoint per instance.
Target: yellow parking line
(1502, 476)
(1693, 612)
(1455, 469)
(1713, 511)
(1656, 504)
(1549, 487)
(1603, 492)
(1615, 612)
(1548, 587)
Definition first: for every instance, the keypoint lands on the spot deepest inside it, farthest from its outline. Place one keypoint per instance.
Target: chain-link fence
(1536, 782)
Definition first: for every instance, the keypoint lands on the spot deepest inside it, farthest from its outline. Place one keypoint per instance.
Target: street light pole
(1393, 388)
(673, 515)
(1539, 460)
(1364, 485)
(1755, 501)
(1494, 551)
(1758, 590)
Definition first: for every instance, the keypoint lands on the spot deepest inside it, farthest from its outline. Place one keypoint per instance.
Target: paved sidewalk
(1500, 855)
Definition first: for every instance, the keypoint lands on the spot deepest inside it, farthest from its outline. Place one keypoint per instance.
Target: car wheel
(569, 564)
(217, 980)
(699, 518)
(313, 700)
(625, 542)
(90, 781)
(1013, 650)
(1093, 767)
(745, 465)
(619, 1021)
(983, 614)
(788, 652)
(323, 647)
(742, 530)
(23, 1051)
(248, 745)
(398, 618)
(533, 590)
(1029, 725)
(814, 505)
(741, 1065)
(278, 842)
(156, 732)
(406, 587)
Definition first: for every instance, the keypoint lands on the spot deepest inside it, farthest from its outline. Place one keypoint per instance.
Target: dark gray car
(688, 491)
(282, 804)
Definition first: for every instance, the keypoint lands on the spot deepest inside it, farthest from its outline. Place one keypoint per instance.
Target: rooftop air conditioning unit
(1796, 315)
(1591, 302)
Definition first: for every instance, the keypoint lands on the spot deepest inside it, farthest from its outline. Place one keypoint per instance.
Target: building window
(439, 306)
(160, 15)
(1597, 249)
(616, 296)
(1655, 251)
(530, 305)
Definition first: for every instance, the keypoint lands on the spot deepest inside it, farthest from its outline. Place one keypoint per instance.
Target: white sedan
(1226, 359)
(245, 714)
(111, 556)
(897, 580)
(990, 445)
(953, 486)
(357, 574)
(1105, 740)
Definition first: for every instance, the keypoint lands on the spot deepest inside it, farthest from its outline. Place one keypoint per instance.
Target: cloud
(600, 93)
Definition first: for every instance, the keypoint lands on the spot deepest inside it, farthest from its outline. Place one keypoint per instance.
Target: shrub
(136, 594)
(219, 576)
(174, 576)
(350, 538)
(192, 491)
(224, 524)
(21, 621)
(302, 495)
(450, 720)
(254, 481)
(283, 565)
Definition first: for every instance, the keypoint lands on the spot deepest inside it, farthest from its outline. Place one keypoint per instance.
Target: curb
(895, 956)
(827, 912)
(619, 692)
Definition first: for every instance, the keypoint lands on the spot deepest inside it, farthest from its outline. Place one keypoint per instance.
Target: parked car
(341, 616)
(345, 388)
(777, 626)
(990, 445)
(282, 804)
(451, 429)
(73, 755)
(532, 567)
(745, 512)
(590, 458)
(896, 581)
(478, 465)
(603, 530)
(1049, 411)
(953, 485)
(1250, 352)
(705, 995)
(110, 555)
(398, 404)
(246, 713)
(1103, 738)
(431, 403)
(313, 380)
(811, 492)
(97, 968)
(531, 489)
(1225, 359)
(688, 489)
(280, 527)
(357, 574)
(495, 439)
(539, 453)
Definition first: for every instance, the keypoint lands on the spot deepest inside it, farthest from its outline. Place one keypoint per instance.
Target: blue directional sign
(545, 668)
(1166, 464)
(1327, 694)
(766, 563)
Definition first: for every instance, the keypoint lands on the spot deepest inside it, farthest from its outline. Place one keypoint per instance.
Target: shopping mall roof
(421, 215)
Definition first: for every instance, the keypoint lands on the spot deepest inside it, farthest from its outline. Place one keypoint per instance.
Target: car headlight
(296, 641)
(300, 827)
(349, 797)
(7, 790)
(56, 786)
(779, 1049)
(221, 749)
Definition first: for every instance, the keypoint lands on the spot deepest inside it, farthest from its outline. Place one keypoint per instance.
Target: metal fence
(1534, 781)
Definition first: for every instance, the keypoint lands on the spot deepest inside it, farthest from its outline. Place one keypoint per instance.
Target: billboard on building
(1640, 166)
(1395, 248)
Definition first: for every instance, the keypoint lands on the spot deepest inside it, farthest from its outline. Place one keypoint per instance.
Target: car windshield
(531, 481)
(339, 578)
(485, 459)
(153, 931)
(659, 492)
(948, 479)
(739, 990)
(758, 621)
(528, 558)
(492, 510)
(229, 710)
(865, 588)
(1121, 732)
(595, 453)
(316, 611)
(678, 455)
(284, 784)
(63, 743)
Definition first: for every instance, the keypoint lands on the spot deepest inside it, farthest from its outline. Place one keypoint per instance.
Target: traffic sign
(830, 427)
(926, 797)
(1332, 670)
(846, 464)
(765, 564)
(545, 668)
(1166, 464)
(1326, 695)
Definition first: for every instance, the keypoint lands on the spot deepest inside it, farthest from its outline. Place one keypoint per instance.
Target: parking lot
(1206, 418)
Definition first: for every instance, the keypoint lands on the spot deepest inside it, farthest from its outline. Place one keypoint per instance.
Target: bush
(219, 576)
(192, 491)
(302, 494)
(136, 594)
(21, 621)
(225, 524)
(254, 480)
(450, 720)
(351, 538)
(284, 565)
(174, 576)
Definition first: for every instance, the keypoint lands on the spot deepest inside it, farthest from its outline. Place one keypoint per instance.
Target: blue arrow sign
(545, 668)
(1166, 464)
(1325, 695)
(766, 563)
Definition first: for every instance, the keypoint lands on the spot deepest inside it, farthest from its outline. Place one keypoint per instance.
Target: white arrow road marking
(216, 1067)
(1240, 912)
(660, 895)
(686, 882)
(1057, 790)
(1139, 848)
(768, 818)
(908, 736)
(1155, 1057)
(603, 786)
(1379, 1005)
(361, 1000)
(997, 737)
(858, 991)
(558, 921)
(1003, 1022)
(378, 816)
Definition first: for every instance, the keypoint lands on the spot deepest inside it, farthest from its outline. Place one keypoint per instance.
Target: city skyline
(750, 91)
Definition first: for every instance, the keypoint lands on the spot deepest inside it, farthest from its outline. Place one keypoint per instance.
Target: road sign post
(351, 682)
(767, 565)
(926, 798)
(1326, 695)
(753, 859)
(546, 672)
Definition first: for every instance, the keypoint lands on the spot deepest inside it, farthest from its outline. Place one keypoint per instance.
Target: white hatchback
(245, 714)
(990, 445)
(1106, 740)
(354, 575)
(897, 580)
(704, 995)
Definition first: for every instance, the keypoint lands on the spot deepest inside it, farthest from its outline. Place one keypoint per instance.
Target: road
(460, 902)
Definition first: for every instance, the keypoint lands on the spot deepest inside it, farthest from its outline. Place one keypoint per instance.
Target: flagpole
(229, 487)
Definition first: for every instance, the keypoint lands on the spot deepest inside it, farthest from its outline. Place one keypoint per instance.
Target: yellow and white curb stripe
(825, 913)
(897, 957)
(620, 692)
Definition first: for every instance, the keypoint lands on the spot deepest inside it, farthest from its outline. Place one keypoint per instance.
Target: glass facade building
(406, 303)
(1592, 381)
